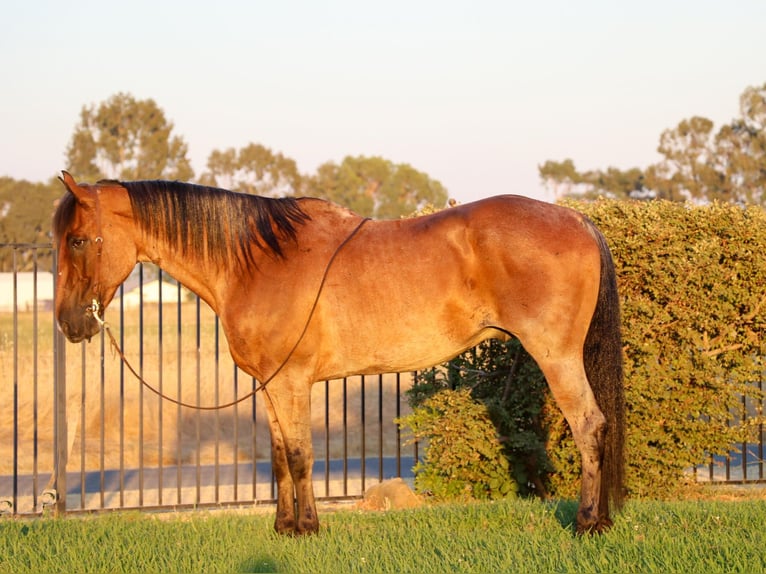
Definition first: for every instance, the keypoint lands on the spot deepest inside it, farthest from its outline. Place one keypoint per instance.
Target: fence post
(60, 443)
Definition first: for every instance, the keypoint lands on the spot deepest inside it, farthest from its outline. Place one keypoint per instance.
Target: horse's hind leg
(569, 385)
(292, 458)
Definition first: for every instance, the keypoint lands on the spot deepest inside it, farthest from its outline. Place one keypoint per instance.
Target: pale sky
(476, 94)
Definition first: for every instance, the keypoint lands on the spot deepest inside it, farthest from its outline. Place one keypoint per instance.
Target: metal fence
(79, 433)
(745, 463)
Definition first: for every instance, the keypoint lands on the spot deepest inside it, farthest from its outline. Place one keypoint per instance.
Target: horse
(307, 290)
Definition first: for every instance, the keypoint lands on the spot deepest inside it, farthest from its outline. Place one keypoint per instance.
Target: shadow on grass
(260, 564)
(565, 512)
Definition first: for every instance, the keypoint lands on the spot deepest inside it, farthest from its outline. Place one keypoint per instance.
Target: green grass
(507, 536)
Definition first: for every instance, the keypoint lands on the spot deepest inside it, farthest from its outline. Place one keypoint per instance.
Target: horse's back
(499, 239)
(412, 292)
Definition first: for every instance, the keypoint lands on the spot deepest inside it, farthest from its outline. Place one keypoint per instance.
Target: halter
(95, 307)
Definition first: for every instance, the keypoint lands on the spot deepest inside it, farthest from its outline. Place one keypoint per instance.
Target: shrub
(503, 378)
(693, 281)
(463, 459)
(693, 286)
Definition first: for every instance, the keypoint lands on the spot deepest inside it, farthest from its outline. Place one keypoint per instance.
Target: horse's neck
(194, 274)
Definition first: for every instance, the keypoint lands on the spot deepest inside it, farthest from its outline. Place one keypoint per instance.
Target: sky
(475, 93)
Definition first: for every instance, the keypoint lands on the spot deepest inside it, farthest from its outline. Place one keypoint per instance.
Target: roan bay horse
(308, 291)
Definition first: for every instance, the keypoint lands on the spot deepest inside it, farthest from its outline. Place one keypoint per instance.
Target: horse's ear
(83, 193)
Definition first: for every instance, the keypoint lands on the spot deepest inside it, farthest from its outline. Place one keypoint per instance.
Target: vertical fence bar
(415, 444)
(179, 395)
(363, 430)
(327, 438)
(380, 428)
(398, 430)
(160, 383)
(216, 394)
(15, 491)
(236, 434)
(60, 424)
(254, 439)
(745, 444)
(198, 414)
(345, 436)
(35, 373)
(122, 399)
(140, 386)
(102, 430)
(761, 429)
(60, 450)
(83, 428)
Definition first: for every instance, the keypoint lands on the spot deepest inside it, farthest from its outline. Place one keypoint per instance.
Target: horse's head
(93, 233)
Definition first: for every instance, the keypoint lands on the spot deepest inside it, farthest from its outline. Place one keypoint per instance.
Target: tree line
(699, 163)
(126, 138)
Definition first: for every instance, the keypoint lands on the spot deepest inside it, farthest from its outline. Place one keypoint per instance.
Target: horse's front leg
(285, 520)
(292, 456)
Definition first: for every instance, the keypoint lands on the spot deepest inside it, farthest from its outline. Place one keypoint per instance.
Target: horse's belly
(375, 351)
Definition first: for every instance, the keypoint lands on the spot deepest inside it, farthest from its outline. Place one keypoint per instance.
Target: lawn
(509, 536)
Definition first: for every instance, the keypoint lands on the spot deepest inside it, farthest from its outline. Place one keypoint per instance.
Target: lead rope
(95, 308)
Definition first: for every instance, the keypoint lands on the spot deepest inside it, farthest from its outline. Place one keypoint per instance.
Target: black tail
(603, 366)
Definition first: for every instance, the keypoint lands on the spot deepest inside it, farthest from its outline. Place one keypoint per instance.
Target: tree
(253, 169)
(125, 138)
(25, 216)
(688, 171)
(376, 187)
(563, 179)
(741, 149)
(698, 164)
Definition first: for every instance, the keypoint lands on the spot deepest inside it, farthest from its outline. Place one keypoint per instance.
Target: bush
(503, 378)
(464, 459)
(693, 285)
(693, 281)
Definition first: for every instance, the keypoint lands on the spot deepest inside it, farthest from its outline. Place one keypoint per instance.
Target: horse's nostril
(74, 332)
(63, 327)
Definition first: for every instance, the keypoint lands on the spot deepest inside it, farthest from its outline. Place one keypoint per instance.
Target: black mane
(62, 217)
(214, 223)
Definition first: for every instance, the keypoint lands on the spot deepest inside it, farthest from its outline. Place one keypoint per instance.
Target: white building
(151, 294)
(25, 291)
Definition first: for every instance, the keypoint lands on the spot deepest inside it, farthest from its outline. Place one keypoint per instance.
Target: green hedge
(463, 459)
(693, 287)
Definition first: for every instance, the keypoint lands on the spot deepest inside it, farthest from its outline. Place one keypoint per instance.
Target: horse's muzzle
(79, 324)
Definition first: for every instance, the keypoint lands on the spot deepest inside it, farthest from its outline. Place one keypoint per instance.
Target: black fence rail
(745, 463)
(79, 433)
(29, 369)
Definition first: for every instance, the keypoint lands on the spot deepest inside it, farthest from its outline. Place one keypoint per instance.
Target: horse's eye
(77, 243)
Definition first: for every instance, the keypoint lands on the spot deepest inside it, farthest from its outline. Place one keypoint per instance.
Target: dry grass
(113, 421)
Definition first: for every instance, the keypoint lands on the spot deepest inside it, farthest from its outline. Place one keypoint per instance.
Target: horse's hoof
(289, 528)
(284, 527)
(600, 526)
(307, 528)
